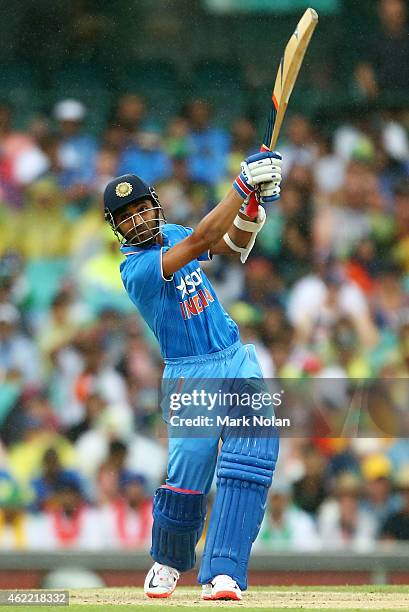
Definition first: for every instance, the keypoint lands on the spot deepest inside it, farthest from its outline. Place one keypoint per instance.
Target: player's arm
(208, 232)
(255, 170)
(241, 235)
(236, 239)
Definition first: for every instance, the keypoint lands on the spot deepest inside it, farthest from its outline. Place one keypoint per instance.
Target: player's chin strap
(252, 227)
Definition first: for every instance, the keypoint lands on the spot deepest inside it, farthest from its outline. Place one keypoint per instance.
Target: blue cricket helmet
(124, 190)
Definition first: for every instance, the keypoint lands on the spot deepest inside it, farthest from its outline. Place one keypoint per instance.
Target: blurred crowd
(324, 294)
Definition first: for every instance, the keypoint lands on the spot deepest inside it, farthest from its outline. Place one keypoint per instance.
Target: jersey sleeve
(142, 275)
(206, 256)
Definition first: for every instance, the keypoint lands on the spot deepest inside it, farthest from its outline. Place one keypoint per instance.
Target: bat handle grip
(252, 206)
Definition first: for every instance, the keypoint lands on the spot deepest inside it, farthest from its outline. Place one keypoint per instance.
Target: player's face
(137, 221)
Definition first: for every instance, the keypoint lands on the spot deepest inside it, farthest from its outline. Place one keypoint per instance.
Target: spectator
(18, 353)
(130, 114)
(244, 140)
(13, 283)
(286, 527)
(339, 229)
(386, 64)
(58, 330)
(13, 520)
(341, 458)
(396, 526)
(33, 161)
(316, 302)
(294, 258)
(309, 491)
(117, 457)
(105, 167)
(45, 203)
(208, 146)
(113, 329)
(342, 522)
(145, 154)
(99, 281)
(185, 199)
(137, 363)
(176, 141)
(94, 408)
(52, 479)
(128, 519)
(77, 151)
(107, 489)
(346, 353)
(263, 285)
(71, 523)
(329, 168)
(390, 302)
(97, 375)
(38, 432)
(363, 265)
(19, 530)
(299, 148)
(102, 449)
(12, 144)
(285, 361)
(377, 472)
(243, 143)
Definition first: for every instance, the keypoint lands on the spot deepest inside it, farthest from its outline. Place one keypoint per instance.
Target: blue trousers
(192, 461)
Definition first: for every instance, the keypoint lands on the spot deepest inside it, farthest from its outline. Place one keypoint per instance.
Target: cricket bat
(287, 75)
(284, 84)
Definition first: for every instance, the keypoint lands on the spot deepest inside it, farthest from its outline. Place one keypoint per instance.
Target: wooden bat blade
(287, 74)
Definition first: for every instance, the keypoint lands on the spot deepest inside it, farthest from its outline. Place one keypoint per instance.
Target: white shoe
(161, 581)
(221, 587)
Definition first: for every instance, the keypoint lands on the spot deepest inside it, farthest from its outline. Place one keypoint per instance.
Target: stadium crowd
(325, 294)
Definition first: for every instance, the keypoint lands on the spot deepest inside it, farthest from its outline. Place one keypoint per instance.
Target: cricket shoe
(221, 587)
(161, 581)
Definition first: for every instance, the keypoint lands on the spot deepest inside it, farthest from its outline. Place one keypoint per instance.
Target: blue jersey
(183, 312)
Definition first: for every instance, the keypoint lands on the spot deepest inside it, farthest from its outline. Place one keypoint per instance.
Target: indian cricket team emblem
(123, 189)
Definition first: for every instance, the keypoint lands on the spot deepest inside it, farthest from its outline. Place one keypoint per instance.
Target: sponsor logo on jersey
(189, 282)
(193, 304)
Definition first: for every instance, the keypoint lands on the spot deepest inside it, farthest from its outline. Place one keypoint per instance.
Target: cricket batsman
(198, 340)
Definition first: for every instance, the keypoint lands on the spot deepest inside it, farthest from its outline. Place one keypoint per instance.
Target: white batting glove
(269, 192)
(264, 167)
